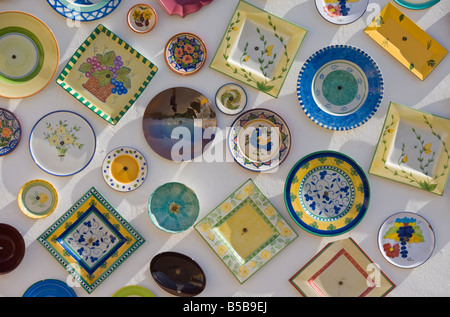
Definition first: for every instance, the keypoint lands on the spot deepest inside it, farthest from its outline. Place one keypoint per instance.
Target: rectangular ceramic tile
(107, 75)
(258, 49)
(413, 149)
(407, 42)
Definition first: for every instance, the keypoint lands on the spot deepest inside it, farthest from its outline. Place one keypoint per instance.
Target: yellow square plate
(406, 41)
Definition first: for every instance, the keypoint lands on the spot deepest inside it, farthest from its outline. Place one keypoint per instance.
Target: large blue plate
(84, 10)
(49, 288)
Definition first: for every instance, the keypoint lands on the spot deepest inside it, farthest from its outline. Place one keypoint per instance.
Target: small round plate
(142, 18)
(327, 193)
(417, 4)
(340, 87)
(124, 169)
(12, 248)
(37, 199)
(173, 207)
(231, 99)
(185, 53)
(341, 12)
(406, 240)
(10, 132)
(133, 291)
(259, 140)
(178, 274)
(49, 288)
(84, 10)
(62, 143)
(30, 55)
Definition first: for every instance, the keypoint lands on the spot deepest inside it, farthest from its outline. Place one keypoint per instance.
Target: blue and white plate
(340, 87)
(10, 132)
(84, 10)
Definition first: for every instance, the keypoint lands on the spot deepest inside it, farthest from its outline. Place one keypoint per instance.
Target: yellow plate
(37, 199)
(406, 41)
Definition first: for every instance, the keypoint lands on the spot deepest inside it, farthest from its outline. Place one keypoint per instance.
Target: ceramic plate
(12, 248)
(185, 53)
(124, 169)
(258, 49)
(91, 240)
(342, 269)
(340, 87)
(84, 10)
(62, 143)
(417, 4)
(413, 149)
(231, 99)
(245, 231)
(49, 288)
(341, 12)
(327, 193)
(259, 140)
(406, 41)
(406, 240)
(30, 55)
(10, 132)
(183, 7)
(142, 18)
(107, 75)
(37, 198)
(133, 291)
(179, 123)
(173, 207)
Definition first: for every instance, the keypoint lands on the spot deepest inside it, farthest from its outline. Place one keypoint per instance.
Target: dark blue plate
(49, 288)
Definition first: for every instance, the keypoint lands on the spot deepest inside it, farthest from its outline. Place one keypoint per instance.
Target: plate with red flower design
(185, 53)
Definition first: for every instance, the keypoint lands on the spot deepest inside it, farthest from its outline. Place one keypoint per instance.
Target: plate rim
(417, 6)
(67, 12)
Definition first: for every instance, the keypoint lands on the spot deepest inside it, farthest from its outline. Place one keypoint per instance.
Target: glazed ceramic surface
(231, 99)
(107, 75)
(173, 207)
(406, 240)
(340, 87)
(341, 12)
(30, 55)
(259, 140)
(327, 193)
(185, 53)
(341, 269)
(10, 132)
(406, 41)
(84, 10)
(417, 4)
(245, 231)
(179, 123)
(12, 248)
(37, 198)
(62, 143)
(124, 169)
(91, 240)
(258, 49)
(142, 18)
(413, 149)
(49, 288)
(183, 7)
(133, 291)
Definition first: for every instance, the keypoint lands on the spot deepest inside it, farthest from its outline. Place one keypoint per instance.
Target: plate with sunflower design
(185, 53)
(37, 198)
(327, 193)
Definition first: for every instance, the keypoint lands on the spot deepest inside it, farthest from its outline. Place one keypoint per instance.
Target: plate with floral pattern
(142, 18)
(341, 11)
(62, 143)
(417, 4)
(327, 193)
(185, 53)
(340, 87)
(37, 199)
(10, 132)
(84, 10)
(231, 99)
(245, 231)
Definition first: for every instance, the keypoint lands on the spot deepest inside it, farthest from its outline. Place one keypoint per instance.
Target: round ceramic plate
(124, 169)
(142, 18)
(37, 199)
(327, 193)
(173, 207)
(417, 4)
(10, 132)
(49, 288)
(62, 143)
(30, 55)
(133, 291)
(231, 99)
(340, 87)
(12, 248)
(185, 53)
(406, 240)
(259, 140)
(341, 12)
(84, 10)
(179, 124)
(183, 7)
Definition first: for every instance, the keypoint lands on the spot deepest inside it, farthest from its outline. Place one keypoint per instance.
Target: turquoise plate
(417, 4)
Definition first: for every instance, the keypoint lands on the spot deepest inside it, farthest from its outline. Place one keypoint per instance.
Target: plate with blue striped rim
(84, 10)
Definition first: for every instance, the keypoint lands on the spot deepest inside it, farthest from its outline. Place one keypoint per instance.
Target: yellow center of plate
(124, 169)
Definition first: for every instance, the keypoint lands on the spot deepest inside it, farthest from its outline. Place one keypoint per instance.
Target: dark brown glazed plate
(12, 248)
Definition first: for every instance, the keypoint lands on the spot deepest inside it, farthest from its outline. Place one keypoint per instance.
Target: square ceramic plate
(406, 41)
(107, 75)
(91, 240)
(258, 49)
(245, 231)
(413, 149)
(341, 269)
